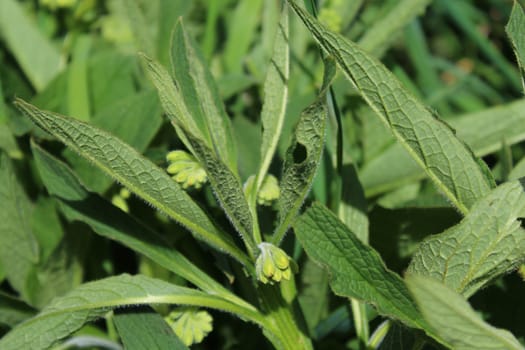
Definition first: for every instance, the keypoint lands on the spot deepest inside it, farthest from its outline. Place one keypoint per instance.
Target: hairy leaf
(202, 99)
(483, 131)
(275, 96)
(137, 173)
(92, 300)
(356, 270)
(108, 221)
(301, 163)
(446, 160)
(454, 320)
(488, 242)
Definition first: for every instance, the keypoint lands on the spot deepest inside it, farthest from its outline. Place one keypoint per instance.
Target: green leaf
(108, 221)
(228, 190)
(18, 245)
(94, 299)
(143, 328)
(383, 32)
(13, 311)
(39, 59)
(201, 96)
(355, 269)
(242, 29)
(137, 173)
(446, 160)
(134, 119)
(275, 97)
(516, 31)
(454, 320)
(172, 101)
(488, 242)
(301, 162)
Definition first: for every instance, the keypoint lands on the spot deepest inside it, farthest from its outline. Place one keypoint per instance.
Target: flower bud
(190, 324)
(273, 264)
(269, 191)
(185, 169)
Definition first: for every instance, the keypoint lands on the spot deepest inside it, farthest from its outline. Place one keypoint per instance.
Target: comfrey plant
(428, 306)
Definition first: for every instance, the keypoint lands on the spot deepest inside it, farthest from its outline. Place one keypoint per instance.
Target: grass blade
(446, 160)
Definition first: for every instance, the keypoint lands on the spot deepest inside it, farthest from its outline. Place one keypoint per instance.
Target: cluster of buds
(186, 170)
(273, 264)
(269, 191)
(190, 324)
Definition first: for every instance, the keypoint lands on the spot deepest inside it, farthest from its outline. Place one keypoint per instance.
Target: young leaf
(199, 90)
(13, 310)
(137, 173)
(446, 160)
(454, 320)
(108, 221)
(516, 32)
(355, 269)
(18, 245)
(302, 159)
(488, 242)
(228, 190)
(275, 97)
(143, 328)
(92, 300)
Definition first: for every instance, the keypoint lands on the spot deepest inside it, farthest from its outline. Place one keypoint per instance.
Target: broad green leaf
(39, 59)
(382, 34)
(94, 299)
(173, 102)
(201, 96)
(110, 222)
(355, 269)
(275, 97)
(301, 163)
(516, 32)
(228, 190)
(170, 11)
(138, 174)
(353, 208)
(454, 320)
(446, 160)
(13, 311)
(7, 139)
(134, 119)
(487, 243)
(143, 328)
(18, 245)
(313, 297)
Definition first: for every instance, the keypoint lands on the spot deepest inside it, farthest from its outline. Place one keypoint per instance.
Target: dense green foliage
(262, 174)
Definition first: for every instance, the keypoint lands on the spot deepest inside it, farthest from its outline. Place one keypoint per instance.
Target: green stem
(283, 330)
(360, 322)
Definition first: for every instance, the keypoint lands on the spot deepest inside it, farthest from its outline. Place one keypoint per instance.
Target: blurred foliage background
(78, 58)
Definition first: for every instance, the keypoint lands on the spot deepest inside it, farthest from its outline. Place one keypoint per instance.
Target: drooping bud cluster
(190, 324)
(186, 170)
(269, 191)
(273, 264)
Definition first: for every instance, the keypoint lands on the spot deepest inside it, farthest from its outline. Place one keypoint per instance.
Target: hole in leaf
(299, 153)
